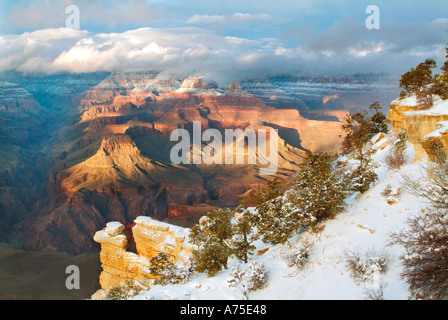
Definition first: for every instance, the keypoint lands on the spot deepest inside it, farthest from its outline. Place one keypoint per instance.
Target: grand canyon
(103, 153)
(237, 150)
(96, 148)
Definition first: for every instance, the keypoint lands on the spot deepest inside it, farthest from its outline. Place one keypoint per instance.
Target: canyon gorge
(80, 151)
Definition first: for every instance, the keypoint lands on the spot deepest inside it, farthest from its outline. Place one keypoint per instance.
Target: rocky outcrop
(420, 124)
(151, 237)
(435, 143)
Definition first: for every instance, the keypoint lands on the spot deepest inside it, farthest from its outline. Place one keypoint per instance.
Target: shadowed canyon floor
(33, 275)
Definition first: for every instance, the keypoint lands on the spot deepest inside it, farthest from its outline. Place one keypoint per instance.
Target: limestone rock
(418, 123)
(151, 237)
(438, 139)
(114, 228)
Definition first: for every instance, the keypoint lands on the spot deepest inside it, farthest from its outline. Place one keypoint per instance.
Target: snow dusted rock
(437, 138)
(379, 141)
(406, 115)
(198, 86)
(151, 237)
(118, 264)
(114, 228)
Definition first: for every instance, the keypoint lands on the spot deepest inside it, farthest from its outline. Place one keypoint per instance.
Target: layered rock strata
(151, 237)
(424, 128)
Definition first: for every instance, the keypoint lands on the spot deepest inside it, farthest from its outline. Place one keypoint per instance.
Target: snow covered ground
(365, 226)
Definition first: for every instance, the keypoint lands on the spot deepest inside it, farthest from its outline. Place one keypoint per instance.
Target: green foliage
(268, 192)
(274, 223)
(127, 290)
(378, 120)
(319, 188)
(160, 263)
(359, 131)
(444, 68)
(162, 268)
(277, 221)
(360, 128)
(211, 257)
(416, 78)
(364, 175)
(423, 84)
(213, 237)
(243, 235)
(441, 84)
(318, 191)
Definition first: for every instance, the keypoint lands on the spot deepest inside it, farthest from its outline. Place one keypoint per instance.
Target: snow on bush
(254, 277)
(425, 237)
(165, 271)
(425, 240)
(299, 255)
(364, 266)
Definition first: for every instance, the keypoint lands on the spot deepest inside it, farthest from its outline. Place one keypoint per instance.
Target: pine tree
(319, 188)
(417, 78)
(164, 270)
(276, 221)
(378, 120)
(159, 263)
(211, 256)
(212, 237)
(441, 80)
(244, 235)
(274, 224)
(364, 175)
(444, 68)
(359, 130)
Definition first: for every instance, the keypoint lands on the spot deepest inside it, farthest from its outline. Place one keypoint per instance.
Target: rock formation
(424, 128)
(151, 237)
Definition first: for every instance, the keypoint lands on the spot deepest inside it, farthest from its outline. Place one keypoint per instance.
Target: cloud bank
(344, 48)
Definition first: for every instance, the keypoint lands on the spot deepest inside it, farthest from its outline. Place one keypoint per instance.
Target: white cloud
(61, 50)
(196, 49)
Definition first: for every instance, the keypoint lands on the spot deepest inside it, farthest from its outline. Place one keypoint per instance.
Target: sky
(234, 38)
